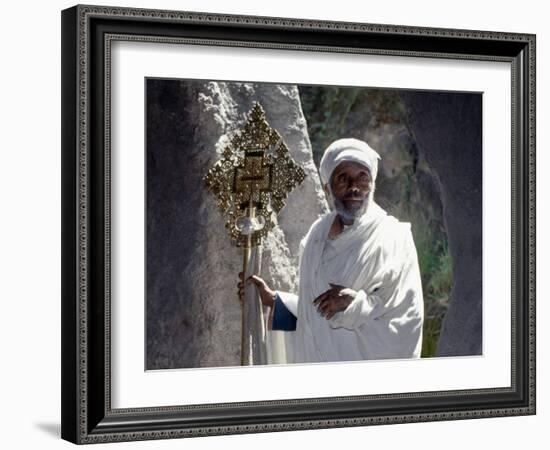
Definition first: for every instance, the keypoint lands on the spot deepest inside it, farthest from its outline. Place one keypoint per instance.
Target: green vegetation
(333, 112)
(437, 280)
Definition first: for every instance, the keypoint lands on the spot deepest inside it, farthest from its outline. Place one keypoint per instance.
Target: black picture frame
(87, 416)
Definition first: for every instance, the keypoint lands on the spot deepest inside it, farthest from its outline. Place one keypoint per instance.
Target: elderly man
(360, 294)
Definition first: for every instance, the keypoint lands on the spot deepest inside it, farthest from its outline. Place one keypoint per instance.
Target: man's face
(351, 184)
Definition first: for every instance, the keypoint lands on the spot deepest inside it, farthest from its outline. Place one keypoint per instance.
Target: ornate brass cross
(251, 182)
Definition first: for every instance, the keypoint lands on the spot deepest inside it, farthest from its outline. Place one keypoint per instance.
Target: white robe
(376, 257)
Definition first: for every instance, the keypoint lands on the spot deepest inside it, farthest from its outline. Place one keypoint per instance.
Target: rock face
(447, 129)
(193, 313)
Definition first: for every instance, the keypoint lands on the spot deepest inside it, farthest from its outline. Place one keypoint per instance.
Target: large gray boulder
(193, 313)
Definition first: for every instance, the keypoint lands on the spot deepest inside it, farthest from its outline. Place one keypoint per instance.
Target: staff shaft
(253, 351)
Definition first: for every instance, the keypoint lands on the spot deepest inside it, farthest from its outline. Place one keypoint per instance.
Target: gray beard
(347, 216)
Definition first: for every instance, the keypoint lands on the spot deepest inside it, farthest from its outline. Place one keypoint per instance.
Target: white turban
(348, 150)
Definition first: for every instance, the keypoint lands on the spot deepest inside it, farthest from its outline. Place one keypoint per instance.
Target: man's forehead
(350, 166)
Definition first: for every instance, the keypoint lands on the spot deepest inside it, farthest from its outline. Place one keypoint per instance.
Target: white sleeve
(290, 301)
(280, 344)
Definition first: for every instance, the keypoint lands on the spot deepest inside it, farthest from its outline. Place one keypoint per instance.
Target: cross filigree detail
(254, 176)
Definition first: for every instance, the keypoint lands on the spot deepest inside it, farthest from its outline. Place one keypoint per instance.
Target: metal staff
(251, 182)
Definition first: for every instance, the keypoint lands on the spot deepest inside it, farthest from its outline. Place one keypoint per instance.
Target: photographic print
(310, 224)
(335, 201)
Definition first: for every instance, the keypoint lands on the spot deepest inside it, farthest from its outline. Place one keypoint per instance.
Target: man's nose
(353, 185)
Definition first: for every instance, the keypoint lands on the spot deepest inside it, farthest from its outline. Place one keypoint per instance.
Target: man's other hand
(336, 299)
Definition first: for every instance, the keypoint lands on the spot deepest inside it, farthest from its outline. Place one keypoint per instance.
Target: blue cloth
(283, 319)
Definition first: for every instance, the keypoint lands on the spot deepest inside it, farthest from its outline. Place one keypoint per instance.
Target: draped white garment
(376, 257)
